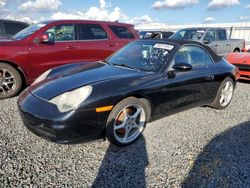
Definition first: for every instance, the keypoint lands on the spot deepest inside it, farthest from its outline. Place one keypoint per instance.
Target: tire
(224, 96)
(10, 81)
(236, 50)
(121, 129)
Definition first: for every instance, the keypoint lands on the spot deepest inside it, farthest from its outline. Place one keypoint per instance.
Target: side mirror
(206, 41)
(45, 38)
(183, 67)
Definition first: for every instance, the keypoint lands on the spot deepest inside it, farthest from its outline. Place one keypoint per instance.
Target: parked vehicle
(242, 61)
(8, 28)
(52, 43)
(142, 82)
(155, 34)
(215, 38)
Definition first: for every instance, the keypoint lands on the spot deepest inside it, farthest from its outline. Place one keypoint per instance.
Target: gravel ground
(201, 147)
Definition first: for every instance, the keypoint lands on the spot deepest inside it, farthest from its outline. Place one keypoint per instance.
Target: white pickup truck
(216, 38)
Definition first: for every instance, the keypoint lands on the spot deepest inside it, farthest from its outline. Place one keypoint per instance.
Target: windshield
(28, 31)
(145, 34)
(188, 34)
(149, 56)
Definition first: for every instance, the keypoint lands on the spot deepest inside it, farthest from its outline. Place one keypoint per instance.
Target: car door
(185, 89)
(44, 56)
(94, 42)
(223, 43)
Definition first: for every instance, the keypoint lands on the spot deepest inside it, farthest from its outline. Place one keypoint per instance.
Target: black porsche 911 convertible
(115, 98)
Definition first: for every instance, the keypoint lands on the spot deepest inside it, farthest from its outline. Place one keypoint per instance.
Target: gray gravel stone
(201, 147)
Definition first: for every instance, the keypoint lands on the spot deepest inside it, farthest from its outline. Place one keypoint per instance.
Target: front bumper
(43, 119)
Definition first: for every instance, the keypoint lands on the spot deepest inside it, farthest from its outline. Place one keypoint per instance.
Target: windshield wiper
(125, 65)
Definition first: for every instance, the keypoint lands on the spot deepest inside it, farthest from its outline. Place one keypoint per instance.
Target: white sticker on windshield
(164, 46)
(165, 53)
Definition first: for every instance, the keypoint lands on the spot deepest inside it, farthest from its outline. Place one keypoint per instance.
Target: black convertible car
(144, 81)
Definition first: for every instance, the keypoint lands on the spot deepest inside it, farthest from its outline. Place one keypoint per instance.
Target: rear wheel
(10, 81)
(236, 50)
(127, 121)
(224, 94)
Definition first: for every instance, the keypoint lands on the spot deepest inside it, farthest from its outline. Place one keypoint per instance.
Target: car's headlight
(71, 100)
(42, 77)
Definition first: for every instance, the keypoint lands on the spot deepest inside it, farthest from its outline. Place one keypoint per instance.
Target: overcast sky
(132, 11)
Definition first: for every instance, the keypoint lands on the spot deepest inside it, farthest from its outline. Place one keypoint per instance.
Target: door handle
(70, 47)
(111, 45)
(227, 44)
(216, 45)
(209, 78)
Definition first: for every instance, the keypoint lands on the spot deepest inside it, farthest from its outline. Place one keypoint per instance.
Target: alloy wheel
(7, 82)
(129, 123)
(226, 93)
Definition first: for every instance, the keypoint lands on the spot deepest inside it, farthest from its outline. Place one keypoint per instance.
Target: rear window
(13, 28)
(121, 32)
(91, 32)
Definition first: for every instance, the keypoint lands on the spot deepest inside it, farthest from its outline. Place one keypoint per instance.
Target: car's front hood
(69, 77)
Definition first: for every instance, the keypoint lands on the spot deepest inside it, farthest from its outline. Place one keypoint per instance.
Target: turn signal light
(104, 109)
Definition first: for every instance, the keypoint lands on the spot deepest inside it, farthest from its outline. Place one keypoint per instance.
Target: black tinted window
(121, 32)
(13, 28)
(1, 30)
(91, 32)
(222, 35)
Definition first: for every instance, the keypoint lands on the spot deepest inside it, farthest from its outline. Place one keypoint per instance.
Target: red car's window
(63, 32)
(121, 32)
(91, 32)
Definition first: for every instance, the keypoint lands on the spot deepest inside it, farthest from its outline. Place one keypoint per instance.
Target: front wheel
(224, 94)
(10, 81)
(127, 121)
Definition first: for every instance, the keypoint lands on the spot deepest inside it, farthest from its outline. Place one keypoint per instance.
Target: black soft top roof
(180, 43)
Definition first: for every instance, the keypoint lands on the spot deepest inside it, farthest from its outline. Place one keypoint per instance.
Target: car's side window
(194, 55)
(1, 29)
(121, 32)
(13, 28)
(206, 58)
(222, 35)
(210, 36)
(62, 32)
(91, 32)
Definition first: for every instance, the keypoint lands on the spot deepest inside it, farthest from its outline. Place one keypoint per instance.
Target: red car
(48, 44)
(242, 61)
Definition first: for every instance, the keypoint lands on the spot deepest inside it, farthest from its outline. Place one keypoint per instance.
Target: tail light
(244, 47)
(237, 73)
